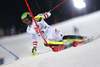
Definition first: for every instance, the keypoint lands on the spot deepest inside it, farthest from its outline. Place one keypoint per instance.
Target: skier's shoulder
(29, 28)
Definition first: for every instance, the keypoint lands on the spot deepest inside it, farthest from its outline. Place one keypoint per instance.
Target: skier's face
(27, 21)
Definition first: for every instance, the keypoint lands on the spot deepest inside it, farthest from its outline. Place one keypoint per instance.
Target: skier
(49, 33)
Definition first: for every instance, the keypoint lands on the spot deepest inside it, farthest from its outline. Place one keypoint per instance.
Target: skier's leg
(55, 35)
(58, 35)
(55, 38)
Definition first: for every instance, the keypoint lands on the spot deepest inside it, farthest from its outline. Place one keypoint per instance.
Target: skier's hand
(34, 49)
(39, 18)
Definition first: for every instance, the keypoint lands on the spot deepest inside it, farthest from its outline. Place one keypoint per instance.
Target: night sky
(11, 11)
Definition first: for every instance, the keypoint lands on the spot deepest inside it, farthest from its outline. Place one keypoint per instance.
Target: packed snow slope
(87, 55)
(82, 56)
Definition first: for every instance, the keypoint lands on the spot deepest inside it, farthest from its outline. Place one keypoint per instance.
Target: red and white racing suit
(49, 33)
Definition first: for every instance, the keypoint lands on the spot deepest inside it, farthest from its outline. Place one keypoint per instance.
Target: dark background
(11, 11)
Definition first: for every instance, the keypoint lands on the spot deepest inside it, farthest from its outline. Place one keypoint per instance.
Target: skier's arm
(46, 15)
(34, 40)
(43, 16)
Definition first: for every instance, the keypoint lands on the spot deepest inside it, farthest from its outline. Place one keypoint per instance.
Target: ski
(69, 41)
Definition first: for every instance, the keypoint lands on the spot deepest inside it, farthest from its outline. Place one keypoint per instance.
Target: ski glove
(34, 49)
(39, 18)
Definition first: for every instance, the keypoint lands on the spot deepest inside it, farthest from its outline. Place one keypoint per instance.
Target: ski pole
(36, 23)
(57, 6)
(9, 51)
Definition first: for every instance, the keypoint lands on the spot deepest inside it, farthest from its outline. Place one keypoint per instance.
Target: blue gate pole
(9, 51)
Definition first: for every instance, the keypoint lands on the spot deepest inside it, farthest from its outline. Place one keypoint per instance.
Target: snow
(82, 56)
(87, 55)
